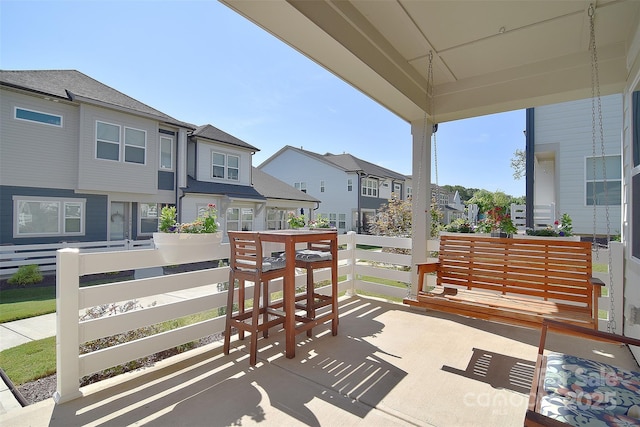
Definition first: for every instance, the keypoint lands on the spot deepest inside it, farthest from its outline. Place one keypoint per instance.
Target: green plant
(565, 227)
(205, 223)
(320, 222)
(497, 220)
(26, 275)
(296, 221)
(393, 218)
(459, 225)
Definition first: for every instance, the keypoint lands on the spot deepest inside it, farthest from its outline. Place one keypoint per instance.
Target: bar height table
(290, 238)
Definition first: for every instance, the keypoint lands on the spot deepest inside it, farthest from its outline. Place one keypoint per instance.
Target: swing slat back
(520, 281)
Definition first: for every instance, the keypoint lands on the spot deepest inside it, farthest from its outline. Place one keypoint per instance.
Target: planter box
(182, 248)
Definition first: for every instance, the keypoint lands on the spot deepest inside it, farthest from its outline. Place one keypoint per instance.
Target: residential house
(568, 171)
(352, 190)
(80, 161)
(450, 204)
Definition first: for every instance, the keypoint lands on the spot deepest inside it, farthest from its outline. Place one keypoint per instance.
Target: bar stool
(317, 255)
(247, 264)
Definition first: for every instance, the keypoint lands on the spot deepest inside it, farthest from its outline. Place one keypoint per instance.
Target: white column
(421, 193)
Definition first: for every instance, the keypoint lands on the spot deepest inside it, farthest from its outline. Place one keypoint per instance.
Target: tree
(393, 218)
(519, 164)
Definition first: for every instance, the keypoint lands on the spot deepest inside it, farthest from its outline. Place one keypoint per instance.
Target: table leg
(334, 290)
(289, 296)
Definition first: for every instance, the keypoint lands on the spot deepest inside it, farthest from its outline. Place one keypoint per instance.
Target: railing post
(67, 325)
(351, 249)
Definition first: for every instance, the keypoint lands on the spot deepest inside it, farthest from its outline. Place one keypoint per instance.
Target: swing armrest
(425, 268)
(597, 286)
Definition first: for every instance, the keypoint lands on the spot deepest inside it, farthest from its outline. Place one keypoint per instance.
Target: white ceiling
(488, 56)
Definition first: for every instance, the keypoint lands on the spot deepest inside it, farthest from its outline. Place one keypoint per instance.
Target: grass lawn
(30, 361)
(28, 302)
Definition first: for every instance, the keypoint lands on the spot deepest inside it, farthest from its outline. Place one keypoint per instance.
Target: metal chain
(434, 126)
(595, 95)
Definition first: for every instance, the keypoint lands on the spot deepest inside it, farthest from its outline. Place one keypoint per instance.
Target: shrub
(26, 275)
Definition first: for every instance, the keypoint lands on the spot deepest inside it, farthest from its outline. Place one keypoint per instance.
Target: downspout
(529, 166)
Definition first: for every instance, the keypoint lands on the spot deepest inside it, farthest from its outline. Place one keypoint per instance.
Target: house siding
(95, 218)
(32, 153)
(291, 167)
(569, 126)
(107, 175)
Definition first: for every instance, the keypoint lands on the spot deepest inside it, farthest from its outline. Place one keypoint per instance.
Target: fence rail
(359, 270)
(12, 257)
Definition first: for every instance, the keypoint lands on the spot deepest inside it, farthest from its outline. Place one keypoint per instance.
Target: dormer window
(225, 166)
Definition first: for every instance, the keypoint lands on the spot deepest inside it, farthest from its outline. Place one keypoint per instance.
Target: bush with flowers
(206, 222)
(320, 222)
(296, 221)
(497, 220)
(561, 228)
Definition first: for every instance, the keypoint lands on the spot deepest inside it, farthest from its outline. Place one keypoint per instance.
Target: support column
(421, 195)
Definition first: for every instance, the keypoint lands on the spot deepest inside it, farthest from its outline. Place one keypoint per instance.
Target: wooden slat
(517, 279)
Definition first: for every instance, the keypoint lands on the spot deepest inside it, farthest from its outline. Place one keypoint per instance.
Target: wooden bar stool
(317, 255)
(247, 264)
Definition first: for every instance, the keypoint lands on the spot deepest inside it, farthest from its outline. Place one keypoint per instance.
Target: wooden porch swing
(516, 281)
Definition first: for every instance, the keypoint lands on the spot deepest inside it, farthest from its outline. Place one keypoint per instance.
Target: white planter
(526, 236)
(183, 248)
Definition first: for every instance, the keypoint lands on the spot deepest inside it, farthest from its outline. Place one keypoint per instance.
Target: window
(240, 219)
(38, 117)
(302, 186)
(635, 125)
(370, 187)
(333, 220)
(166, 153)
(322, 186)
(350, 184)
(596, 193)
(397, 188)
(148, 218)
(48, 216)
(225, 166)
(107, 141)
(409, 192)
(342, 221)
(276, 219)
(135, 145)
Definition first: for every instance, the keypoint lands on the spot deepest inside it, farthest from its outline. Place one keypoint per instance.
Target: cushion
(268, 264)
(310, 256)
(586, 392)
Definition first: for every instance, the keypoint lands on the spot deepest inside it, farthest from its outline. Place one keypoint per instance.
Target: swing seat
(515, 281)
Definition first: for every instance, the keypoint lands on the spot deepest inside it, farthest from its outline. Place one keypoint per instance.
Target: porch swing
(515, 281)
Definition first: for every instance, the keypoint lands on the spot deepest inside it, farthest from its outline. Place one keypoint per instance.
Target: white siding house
(350, 190)
(566, 172)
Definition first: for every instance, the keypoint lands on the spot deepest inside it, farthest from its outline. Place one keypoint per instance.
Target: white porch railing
(202, 290)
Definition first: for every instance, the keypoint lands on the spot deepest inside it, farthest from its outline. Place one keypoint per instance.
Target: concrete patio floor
(389, 365)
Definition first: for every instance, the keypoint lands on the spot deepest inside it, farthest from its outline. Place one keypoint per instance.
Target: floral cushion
(585, 392)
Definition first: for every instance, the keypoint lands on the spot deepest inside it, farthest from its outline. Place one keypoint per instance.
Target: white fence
(543, 216)
(199, 291)
(13, 257)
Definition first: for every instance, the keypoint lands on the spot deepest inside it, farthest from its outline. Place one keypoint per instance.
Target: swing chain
(595, 95)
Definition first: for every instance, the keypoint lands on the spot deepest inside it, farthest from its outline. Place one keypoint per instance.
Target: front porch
(389, 365)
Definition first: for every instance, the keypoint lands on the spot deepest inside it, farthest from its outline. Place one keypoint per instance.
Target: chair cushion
(586, 392)
(310, 256)
(268, 264)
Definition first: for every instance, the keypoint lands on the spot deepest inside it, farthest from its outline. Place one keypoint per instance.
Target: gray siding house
(81, 161)
(352, 190)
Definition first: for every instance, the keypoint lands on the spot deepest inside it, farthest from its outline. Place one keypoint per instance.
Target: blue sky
(200, 62)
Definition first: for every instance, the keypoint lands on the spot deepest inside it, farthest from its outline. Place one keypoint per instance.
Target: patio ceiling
(489, 56)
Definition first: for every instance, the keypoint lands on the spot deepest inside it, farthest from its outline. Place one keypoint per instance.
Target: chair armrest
(571, 329)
